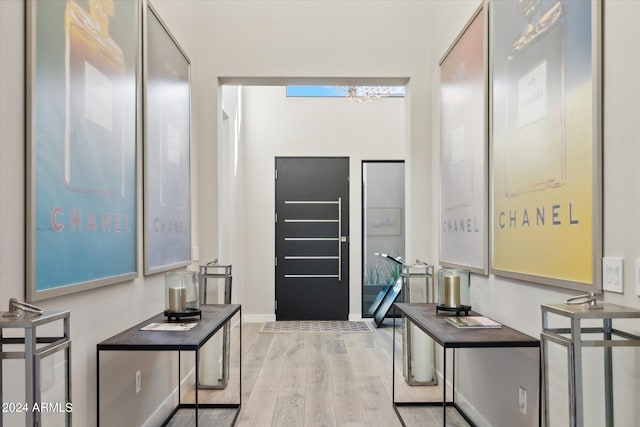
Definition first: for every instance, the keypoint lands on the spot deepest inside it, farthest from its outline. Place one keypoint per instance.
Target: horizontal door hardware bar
(312, 238)
(311, 276)
(312, 220)
(311, 202)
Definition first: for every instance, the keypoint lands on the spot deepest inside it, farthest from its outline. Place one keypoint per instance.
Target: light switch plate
(637, 275)
(612, 273)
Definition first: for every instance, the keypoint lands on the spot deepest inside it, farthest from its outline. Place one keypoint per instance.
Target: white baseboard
(162, 413)
(165, 409)
(258, 318)
(471, 412)
(469, 409)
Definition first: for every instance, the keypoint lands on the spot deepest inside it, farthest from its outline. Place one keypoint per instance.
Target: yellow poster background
(559, 243)
(545, 142)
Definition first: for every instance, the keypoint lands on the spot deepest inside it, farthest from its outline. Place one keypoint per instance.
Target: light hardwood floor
(319, 379)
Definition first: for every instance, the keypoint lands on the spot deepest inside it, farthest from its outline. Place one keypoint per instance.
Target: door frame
(363, 231)
(346, 271)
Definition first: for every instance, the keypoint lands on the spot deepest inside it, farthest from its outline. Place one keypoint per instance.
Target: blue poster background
(83, 182)
(167, 152)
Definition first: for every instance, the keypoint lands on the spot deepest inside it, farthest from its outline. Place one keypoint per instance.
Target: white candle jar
(453, 290)
(182, 297)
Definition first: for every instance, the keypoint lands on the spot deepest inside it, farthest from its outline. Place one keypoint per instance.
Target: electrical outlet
(522, 400)
(612, 273)
(138, 381)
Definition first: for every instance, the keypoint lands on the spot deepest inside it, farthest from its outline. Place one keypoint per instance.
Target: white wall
(250, 40)
(231, 190)
(517, 304)
(12, 197)
(276, 126)
(95, 314)
(254, 42)
(225, 40)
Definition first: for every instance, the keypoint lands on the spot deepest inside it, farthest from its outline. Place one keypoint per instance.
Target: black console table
(214, 317)
(424, 316)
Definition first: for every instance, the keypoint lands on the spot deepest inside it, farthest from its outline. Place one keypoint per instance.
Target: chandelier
(367, 93)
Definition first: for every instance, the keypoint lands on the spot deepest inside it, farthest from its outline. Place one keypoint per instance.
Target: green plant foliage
(372, 277)
(394, 273)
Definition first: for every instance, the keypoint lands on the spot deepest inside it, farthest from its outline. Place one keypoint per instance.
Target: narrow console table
(424, 316)
(214, 317)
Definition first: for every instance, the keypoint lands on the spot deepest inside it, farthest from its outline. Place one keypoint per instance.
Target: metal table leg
(576, 383)
(197, 382)
(444, 386)
(30, 349)
(608, 373)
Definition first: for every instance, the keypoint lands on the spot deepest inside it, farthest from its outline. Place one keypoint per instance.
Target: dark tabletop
(214, 316)
(424, 317)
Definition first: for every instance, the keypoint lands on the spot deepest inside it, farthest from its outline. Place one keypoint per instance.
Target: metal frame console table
(36, 348)
(214, 317)
(424, 316)
(571, 338)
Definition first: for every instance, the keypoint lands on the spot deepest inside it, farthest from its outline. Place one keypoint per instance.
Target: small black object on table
(173, 316)
(457, 310)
